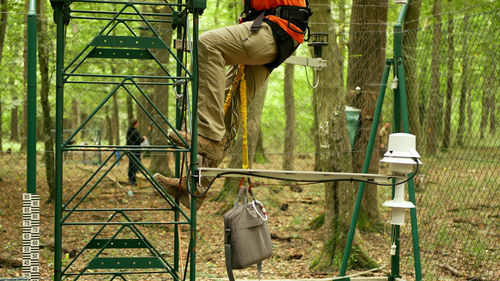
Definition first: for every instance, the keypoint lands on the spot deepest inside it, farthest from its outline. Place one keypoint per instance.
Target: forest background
(451, 57)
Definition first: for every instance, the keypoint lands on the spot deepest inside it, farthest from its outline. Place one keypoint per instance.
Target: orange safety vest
(262, 5)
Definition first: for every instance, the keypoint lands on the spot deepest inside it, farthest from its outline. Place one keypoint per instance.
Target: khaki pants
(219, 48)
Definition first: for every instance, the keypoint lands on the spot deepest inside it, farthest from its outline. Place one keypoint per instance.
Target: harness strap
(257, 22)
(259, 269)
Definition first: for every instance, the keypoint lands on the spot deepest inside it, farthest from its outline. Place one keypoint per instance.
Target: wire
(413, 174)
(307, 78)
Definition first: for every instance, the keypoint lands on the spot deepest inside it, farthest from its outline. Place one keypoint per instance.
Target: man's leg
(231, 45)
(131, 172)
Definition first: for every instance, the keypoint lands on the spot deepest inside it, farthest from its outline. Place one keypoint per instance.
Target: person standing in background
(134, 138)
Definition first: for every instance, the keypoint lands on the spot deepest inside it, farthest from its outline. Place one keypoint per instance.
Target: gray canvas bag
(247, 238)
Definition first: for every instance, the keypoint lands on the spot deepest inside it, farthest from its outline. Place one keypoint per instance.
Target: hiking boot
(177, 189)
(210, 149)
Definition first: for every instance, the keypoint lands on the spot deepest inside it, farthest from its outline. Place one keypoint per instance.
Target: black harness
(298, 16)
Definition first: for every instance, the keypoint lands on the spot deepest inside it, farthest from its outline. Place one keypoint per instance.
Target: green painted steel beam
(366, 165)
(160, 3)
(128, 42)
(58, 13)
(31, 113)
(118, 244)
(121, 263)
(120, 54)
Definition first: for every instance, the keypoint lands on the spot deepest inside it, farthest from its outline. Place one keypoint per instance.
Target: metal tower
(115, 51)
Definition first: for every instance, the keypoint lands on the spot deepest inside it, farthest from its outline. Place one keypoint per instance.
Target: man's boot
(210, 149)
(177, 189)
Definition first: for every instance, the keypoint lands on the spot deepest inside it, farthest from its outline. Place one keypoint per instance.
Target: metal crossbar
(295, 175)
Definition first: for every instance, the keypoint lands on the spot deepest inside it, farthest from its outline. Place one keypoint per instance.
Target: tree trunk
(465, 82)
(144, 120)
(289, 143)
(254, 120)
(422, 95)
(130, 108)
(1, 125)
(24, 128)
(3, 30)
(109, 126)
(260, 153)
(4, 9)
(410, 35)
(470, 112)
(231, 185)
(116, 120)
(314, 130)
(365, 66)
(334, 149)
(75, 108)
(342, 44)
(435, 105)
(14, 120)
(484, 107)
(159, 160)
(493, 111)
(43, 61)
(449, 86)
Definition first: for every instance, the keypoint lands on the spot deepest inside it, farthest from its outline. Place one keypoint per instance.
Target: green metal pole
(396, 127)
(31, 114)
(398, 53)
(395, 259)
(177, 155)
(395, 229)
(59, 133)
(194, 143)
(366, 165)
(411, 186)
(398, 43)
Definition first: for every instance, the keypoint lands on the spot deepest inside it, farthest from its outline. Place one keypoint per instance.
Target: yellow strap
(240, 79)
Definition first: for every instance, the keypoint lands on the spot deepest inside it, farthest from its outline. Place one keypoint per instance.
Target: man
(134, 138)
(269, 33)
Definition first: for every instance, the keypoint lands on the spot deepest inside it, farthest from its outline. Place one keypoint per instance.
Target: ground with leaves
(291, 210)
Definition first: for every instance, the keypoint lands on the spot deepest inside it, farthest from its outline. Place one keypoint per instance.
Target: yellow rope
(240, 79)
(236, 81)
(244, 146)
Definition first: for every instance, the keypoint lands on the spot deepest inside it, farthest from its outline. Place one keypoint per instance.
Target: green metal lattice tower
(114, 243)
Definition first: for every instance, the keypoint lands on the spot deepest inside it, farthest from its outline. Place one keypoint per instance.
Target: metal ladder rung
(118, 244)
(120, 54)
(121, 263)
(128, 42)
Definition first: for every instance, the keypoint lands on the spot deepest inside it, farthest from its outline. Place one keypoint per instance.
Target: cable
(307, 78)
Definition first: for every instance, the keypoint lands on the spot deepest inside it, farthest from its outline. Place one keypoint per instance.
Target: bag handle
(244, 193)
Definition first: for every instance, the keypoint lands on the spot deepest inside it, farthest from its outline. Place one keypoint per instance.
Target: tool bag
(247, 238)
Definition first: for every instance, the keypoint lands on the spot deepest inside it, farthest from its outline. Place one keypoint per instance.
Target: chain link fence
(454, 91)
(456, 86)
